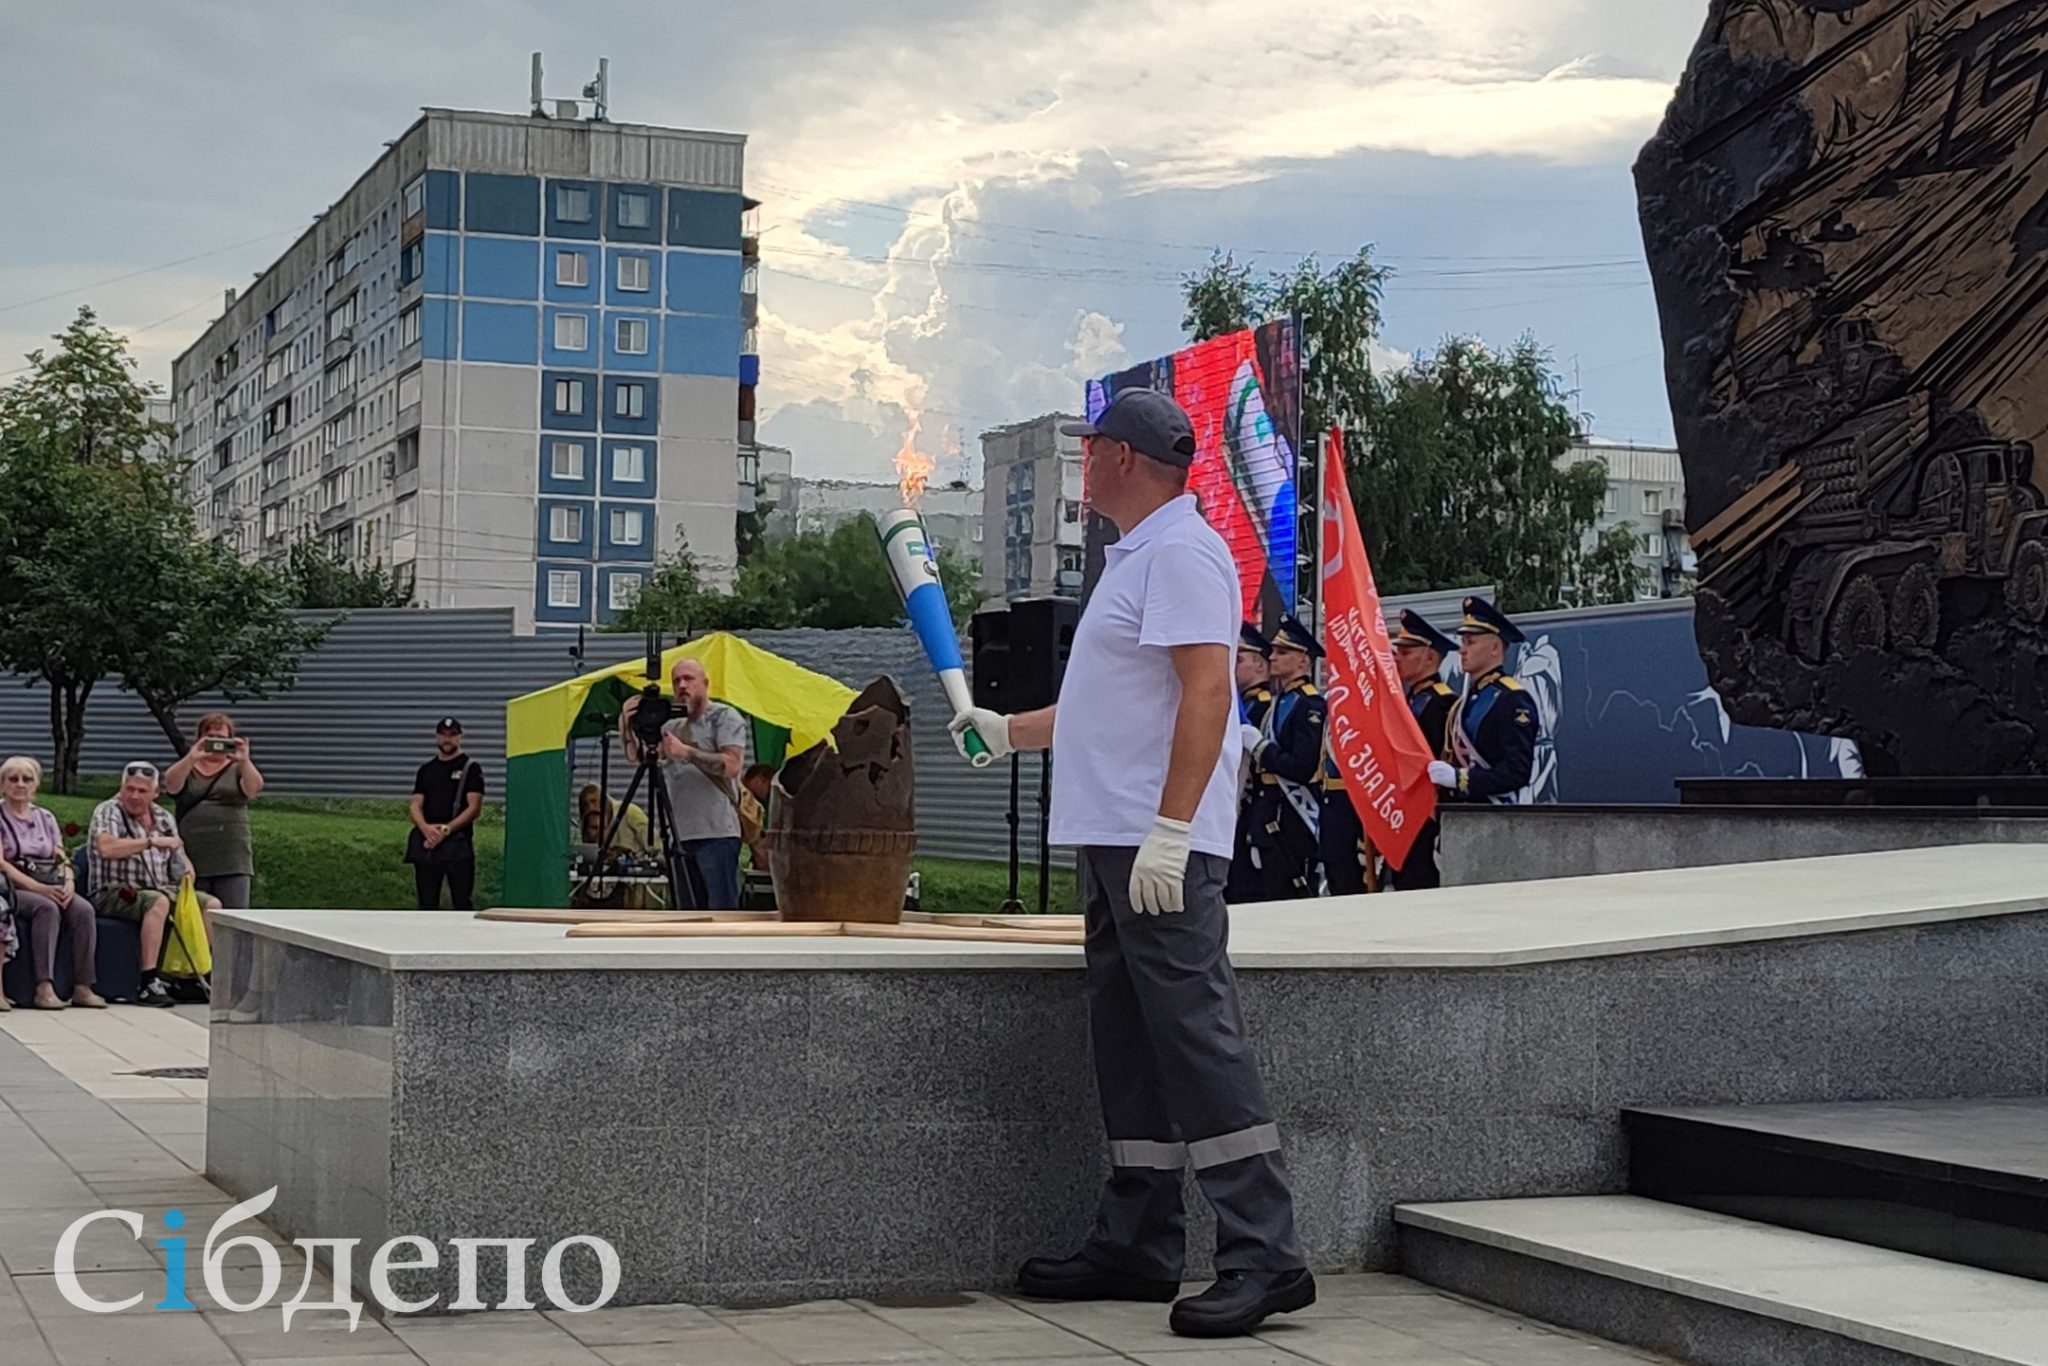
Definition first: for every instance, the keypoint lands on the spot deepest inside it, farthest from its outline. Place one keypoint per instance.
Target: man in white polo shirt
(1145, 765)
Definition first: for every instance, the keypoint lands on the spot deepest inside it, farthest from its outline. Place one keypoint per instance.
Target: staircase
(1782, 1235)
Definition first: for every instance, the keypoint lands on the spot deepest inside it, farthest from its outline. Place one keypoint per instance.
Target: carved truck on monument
(1855, 534)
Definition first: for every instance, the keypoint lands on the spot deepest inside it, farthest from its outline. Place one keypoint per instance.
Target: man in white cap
(1145, 746)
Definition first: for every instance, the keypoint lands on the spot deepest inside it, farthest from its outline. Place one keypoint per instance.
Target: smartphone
(219, 746)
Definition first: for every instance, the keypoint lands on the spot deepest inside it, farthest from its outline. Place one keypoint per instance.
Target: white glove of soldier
(1160, 868)
(993, 728)
(1248, 737)
(1442, 774)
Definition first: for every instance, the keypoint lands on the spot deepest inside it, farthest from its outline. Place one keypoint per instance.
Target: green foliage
(1458, 464)
(832, 580)
(319, 579)
(106, 572)
(1611, 571)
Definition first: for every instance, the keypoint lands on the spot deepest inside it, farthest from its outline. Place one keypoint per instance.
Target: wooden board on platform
(983, 933)
(1008, 922)
(555, 915)
(702, 929)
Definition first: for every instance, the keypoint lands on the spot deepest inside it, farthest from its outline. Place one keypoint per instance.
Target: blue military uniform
(1494, 727)
(1430, 702)
(1286, 810)
(1252, 705)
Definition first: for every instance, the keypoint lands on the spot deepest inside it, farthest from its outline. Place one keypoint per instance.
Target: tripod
(684, 894)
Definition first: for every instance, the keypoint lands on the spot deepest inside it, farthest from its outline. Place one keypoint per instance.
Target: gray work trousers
(1178, 1081)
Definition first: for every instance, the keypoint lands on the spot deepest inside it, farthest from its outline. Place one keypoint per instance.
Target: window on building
(1070, 561)
(565, 524)
(750, 280)
(565, 460)
(636, 209)
(572, 203)
(628, 525)
(409, 327)
(630, 401)
(623, 589)
(1653, 501)
(572, 268)
(632, 336)
(409, 390)
(569, 397)
(633, 274)
(416, 196)
(572, 332)
(629, 464)
(412, 263)
(1613, 500)
(565, 588)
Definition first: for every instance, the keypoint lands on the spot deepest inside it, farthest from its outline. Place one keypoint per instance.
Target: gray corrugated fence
(361, 717)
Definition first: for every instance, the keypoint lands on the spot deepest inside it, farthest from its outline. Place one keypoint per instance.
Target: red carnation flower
(127, 894)
(71, 829)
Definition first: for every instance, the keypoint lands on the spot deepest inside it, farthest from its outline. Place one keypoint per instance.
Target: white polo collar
(1158, 520)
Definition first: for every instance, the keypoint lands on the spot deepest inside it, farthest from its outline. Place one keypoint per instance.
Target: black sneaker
(1240, 1301)
(1077, 1278)
(191, 991)
(154, 993)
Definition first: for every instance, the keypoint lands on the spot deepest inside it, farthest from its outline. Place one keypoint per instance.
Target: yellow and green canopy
(790, 709)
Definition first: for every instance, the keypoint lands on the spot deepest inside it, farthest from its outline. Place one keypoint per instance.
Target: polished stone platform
(751, 1119)
(1962, 1180)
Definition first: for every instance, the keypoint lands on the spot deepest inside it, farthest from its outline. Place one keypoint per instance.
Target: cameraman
(701, 753)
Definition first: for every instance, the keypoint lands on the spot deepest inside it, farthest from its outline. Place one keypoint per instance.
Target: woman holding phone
(212, 787)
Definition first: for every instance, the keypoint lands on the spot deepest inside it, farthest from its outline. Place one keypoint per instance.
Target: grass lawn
(345, 854)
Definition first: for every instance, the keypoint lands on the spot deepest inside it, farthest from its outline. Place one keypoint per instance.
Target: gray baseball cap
(1147, 421)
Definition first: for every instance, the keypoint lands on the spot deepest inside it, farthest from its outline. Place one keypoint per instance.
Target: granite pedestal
(752, 1120)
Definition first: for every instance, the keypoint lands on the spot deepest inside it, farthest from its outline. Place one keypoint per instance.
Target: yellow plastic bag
(186, 952)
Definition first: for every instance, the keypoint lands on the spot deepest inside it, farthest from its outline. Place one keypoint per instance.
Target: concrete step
(1721, 1291)
(1960, 1180)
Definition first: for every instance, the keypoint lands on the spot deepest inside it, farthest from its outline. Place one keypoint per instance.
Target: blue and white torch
(908, 549)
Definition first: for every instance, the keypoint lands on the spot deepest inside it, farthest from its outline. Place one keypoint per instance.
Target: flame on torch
(913, 466)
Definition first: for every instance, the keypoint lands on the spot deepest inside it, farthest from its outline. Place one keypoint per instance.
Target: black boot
(1240, 1301)
(1077, 1278)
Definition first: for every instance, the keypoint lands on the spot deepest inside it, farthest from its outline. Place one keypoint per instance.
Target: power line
(147, 270)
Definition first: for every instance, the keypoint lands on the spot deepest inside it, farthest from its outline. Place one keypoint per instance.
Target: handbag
(48, 871)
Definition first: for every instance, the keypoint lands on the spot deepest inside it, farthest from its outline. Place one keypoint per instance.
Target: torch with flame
(913, 466)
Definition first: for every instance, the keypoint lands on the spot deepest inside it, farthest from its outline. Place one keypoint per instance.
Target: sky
(969, 207)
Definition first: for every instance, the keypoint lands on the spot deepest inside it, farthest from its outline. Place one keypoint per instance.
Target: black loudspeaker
(1020, 654)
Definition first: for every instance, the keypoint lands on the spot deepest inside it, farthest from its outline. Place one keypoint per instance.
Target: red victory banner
(1374, 737)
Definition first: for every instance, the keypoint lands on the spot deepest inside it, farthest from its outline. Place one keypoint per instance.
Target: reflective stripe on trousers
(1203, 1153)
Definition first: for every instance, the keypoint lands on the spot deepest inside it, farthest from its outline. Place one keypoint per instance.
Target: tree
(1610, 569)
(198, 621)
(106, 574)
(830, 580)
(1458, 465)
(77, 479)
(318, 579)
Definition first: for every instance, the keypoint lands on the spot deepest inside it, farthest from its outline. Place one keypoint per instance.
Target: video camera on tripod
(655, 710)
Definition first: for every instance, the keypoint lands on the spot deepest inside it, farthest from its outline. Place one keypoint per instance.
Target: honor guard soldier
(1254, 696)
(1419, 650)
(1490, 748)
(1287, 763)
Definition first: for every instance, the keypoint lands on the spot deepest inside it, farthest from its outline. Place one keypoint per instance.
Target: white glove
(1442, 774)
(993, 728)
(1248, 737)
(1160, 868)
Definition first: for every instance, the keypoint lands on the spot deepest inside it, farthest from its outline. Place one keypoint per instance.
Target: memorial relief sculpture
(1846, 219)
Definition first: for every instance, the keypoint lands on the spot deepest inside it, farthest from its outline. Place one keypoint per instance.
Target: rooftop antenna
(596, 92)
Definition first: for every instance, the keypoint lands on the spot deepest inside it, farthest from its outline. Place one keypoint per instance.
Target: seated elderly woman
(39, 879)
